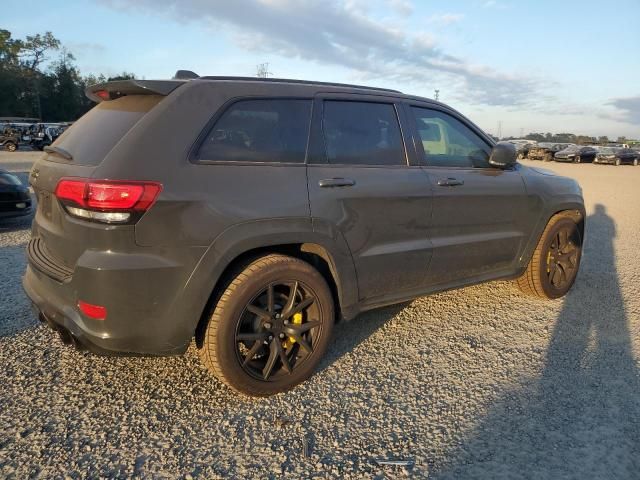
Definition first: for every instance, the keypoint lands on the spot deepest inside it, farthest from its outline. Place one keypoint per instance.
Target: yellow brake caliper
(296, 320)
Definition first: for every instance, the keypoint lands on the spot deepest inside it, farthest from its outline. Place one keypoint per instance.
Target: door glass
(363, 133)
(447, 142)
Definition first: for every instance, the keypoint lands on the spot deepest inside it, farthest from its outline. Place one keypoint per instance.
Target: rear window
(362, 133)
(90, 139)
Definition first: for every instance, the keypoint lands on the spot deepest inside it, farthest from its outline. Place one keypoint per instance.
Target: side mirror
(503, 155)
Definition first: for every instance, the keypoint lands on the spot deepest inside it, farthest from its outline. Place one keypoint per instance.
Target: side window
(447, 142)
(268, 130)
(362, 133)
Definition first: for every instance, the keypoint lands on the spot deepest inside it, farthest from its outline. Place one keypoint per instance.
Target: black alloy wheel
(270, 327)
(277, 331)
(563, 255)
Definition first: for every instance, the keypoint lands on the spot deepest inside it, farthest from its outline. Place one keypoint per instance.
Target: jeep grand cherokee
(251, 214)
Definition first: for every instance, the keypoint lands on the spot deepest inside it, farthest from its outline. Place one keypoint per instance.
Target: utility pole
(262, 70)
(437, 94)
(499, 129)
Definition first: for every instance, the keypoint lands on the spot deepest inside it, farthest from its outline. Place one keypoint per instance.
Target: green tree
(122, 76)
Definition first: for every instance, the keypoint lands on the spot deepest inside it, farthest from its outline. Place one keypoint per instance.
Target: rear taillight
(109, 201)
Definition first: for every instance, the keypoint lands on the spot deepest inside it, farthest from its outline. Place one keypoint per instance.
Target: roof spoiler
(119, 88)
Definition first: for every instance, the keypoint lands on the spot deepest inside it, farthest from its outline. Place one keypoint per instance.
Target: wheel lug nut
(277, 315)
(286, 322)
(282, 335)
(267, 325)
(270, 337)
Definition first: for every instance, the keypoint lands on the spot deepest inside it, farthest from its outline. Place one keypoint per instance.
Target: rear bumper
(140, 304)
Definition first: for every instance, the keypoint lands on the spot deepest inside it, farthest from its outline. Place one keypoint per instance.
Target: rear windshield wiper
(58, 151)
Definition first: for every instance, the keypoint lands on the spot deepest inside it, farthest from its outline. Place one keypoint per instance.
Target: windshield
(572, 149)
(609, 150)
(8, 179)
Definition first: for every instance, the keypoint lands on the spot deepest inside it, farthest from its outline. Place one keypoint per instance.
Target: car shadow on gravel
(347, 335)
(581, 417)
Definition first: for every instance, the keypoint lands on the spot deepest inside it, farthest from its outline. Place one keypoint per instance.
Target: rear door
(477, 223)
(363, 187)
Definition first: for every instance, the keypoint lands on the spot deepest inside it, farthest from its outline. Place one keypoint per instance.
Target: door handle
(336, 182)
(450, 182)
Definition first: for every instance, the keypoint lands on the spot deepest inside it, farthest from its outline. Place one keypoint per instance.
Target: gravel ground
(474, 383)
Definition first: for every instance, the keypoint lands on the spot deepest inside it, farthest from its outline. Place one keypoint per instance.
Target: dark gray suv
(252, 214)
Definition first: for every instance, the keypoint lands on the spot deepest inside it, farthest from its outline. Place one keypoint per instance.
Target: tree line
(33, 87)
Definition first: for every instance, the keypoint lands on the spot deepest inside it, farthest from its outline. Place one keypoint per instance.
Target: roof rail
(298, 82)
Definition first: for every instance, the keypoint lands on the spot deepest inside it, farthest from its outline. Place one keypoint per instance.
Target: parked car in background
(15, 199)
(522, 147)
(545, 151)
(324, 229)
(617, 156)
(44, 134)
(576, 154)
(9, 139)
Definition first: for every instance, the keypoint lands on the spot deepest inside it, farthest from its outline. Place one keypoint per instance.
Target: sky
(512, 67)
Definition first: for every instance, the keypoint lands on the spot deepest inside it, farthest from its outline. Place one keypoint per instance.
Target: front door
(477, 226)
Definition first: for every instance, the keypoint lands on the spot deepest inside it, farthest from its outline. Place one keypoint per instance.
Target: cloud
(341, 33)
(629, 108)
(86, 47)
(403, 7)
(446, 18)
(495, 4)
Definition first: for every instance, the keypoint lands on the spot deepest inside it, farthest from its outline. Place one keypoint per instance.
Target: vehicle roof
(165, 87)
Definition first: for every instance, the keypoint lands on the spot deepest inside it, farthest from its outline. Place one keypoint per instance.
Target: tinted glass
(447, 142)
(8, 179)
(92, 137)
(269, 130)
(362, 133)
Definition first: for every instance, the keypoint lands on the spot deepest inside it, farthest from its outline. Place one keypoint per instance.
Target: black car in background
(15, 200)
(576, 154)
(617, 156)
(546, 151)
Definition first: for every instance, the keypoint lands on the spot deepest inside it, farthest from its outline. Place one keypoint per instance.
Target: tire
(226, 344)
(618, 162)
(10, 146)
(548, 157)
(537, 280)
(520, 156)
(578, 159)
(635, 162)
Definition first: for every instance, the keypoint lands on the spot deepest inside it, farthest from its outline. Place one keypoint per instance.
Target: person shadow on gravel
(581, 418)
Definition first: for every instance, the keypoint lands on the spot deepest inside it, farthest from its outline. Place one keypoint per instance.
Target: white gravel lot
(474, 383)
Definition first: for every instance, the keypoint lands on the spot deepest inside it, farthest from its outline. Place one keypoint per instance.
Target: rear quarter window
(90, 139)
(261, 130)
